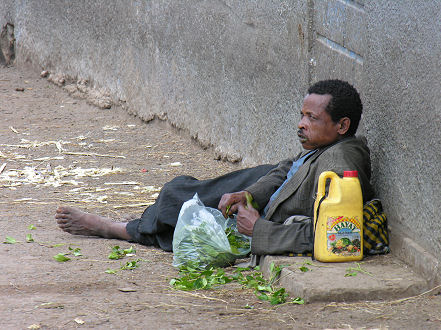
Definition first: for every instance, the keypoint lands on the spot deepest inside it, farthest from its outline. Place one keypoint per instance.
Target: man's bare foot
(77, 222)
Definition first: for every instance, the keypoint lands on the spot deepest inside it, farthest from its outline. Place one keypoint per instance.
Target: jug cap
(350, 174)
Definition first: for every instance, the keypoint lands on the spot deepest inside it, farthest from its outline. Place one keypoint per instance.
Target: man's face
(316, 128)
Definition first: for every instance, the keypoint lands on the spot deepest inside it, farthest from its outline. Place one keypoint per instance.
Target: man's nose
(301, 124)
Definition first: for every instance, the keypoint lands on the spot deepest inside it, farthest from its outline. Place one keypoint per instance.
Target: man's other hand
(246, 218)
(229, 202)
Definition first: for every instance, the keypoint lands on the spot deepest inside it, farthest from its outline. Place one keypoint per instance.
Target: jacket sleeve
(278, 239)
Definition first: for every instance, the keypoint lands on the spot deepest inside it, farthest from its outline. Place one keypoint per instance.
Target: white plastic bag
(200, 240)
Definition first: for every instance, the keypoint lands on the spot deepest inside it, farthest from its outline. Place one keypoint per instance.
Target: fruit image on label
(343, 236)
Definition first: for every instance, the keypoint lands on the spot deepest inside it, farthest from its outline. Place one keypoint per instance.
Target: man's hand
(229, 202)
(246, 218)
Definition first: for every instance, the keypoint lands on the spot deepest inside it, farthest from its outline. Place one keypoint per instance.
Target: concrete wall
(234, 73)
(402, 84)
(230, 72)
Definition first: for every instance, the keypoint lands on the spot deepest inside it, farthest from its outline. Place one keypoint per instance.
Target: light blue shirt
(294, 168)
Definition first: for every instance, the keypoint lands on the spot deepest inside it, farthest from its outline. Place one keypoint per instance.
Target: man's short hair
(345, 101)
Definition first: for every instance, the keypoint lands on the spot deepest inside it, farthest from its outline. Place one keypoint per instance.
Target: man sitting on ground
(284, 193)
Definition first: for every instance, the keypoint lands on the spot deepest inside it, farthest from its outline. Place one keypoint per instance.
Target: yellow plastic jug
(338, 218)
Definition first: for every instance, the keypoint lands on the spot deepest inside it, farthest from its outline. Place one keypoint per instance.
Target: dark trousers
(157, 223)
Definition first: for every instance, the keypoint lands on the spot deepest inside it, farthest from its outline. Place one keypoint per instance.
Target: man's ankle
(118, 230)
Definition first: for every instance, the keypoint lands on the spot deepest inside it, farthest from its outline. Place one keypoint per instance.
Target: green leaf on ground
(29, 238)
(127, 266)
(10, 240)
(348, 274)
(32, 227)
(76, 252)
(353, 271)
(278, 296)
(118, 253)
(61, 257)
(304, 268)
(129, 251)
(275, 272)
(111, 271)
(262, 296)
(131, 264)
(298, 301)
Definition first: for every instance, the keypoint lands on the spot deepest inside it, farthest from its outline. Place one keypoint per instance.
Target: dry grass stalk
(13, 129)
(201, 296)
(91, 154)
(133, 205)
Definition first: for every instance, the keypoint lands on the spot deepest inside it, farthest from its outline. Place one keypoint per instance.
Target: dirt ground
(61, 150)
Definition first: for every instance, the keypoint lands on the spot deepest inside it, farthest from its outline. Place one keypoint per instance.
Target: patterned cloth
(375, 234)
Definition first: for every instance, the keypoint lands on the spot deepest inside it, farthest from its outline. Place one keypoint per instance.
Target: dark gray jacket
(270, 234)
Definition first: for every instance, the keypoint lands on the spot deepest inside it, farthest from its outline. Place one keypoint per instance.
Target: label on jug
(344, 236)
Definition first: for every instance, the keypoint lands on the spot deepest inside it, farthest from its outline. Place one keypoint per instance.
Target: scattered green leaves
(10, 240)
(353, 271)
(118, 253)
(263, 289)
(196, 279)
(29, 239)
(61, 257)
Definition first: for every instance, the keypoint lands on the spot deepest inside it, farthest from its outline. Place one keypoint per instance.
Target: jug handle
(321, 189)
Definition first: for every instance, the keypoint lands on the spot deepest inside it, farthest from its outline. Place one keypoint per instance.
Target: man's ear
(344, 124)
